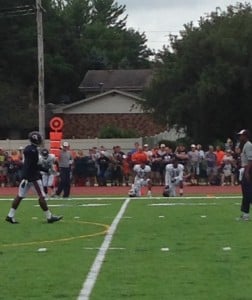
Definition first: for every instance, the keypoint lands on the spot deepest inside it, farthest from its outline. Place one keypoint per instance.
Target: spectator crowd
(216, 165)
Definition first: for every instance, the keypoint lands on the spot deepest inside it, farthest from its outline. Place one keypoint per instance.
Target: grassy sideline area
(189, 248)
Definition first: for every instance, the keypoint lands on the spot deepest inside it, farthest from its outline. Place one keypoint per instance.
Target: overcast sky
(159, 18)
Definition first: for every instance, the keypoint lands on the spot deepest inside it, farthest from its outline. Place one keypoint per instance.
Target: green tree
(203, 81)
(78, 35)
(14, 111)
(109, 13)
(18, 66)
(66, 48)
(113, 45)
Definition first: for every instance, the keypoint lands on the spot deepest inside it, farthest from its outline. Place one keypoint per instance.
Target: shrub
(111, 131)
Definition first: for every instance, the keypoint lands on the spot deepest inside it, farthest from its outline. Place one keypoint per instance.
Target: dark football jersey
(31, 168)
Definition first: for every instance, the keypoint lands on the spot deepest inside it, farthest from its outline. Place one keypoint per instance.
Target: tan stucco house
(113, 98)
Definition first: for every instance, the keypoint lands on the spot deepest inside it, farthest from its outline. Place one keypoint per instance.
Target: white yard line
(110, 248)
(96, 267)
(183, 204)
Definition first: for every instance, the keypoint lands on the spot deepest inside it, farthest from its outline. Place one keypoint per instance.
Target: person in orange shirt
(17, 161)
(139, 157)
(219, 155)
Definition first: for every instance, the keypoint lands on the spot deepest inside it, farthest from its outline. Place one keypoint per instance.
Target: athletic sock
(12, 212)
(48, 214)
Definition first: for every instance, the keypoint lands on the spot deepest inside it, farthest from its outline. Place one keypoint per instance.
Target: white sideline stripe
(96, 267)
(81, 205)
(52, 200)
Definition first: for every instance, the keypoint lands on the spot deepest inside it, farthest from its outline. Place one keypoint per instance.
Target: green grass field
(180, 248)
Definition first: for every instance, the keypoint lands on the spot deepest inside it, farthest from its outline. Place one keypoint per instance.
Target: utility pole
(41, 91)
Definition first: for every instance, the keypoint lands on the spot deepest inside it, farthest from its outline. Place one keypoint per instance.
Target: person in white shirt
(147, 151)
(65, 161)
(142, 178)
(48, 161)
(227, 168)
(173, 177)
(194, 164)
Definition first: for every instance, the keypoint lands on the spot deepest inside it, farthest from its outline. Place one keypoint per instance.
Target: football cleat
(11, 220)
(132, 193)
(243, 218)
(166, 192)
(54, 219)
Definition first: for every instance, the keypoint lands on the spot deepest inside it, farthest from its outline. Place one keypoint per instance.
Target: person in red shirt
(219, 156)
(139, 156)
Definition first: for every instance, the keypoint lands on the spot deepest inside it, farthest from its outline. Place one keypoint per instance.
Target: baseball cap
(193, 145)
(243, 132)
(146, 145)
(65, 144)
(162, 145)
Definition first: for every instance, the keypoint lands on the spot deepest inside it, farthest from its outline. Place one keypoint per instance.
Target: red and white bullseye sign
(56, 124)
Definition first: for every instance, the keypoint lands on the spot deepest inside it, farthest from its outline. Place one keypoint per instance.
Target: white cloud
(159, 18)
(150, 4)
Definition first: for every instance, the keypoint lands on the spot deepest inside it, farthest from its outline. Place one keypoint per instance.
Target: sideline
(96, 267)
(54, 201)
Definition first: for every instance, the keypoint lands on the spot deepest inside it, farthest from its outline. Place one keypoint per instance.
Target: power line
(15, 7)
(17, 11)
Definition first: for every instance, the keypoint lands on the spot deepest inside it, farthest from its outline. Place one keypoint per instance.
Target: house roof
(63, 108)
(126, 80)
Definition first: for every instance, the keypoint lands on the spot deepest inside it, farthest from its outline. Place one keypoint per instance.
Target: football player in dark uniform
(31, 177)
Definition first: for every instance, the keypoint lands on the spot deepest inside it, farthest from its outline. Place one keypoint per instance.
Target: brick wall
(81, 126)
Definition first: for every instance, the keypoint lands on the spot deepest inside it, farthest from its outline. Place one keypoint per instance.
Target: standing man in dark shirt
(245, 173)
(31, 177)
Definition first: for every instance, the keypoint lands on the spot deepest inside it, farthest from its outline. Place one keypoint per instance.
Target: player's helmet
(44, 153)
(35, 138)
